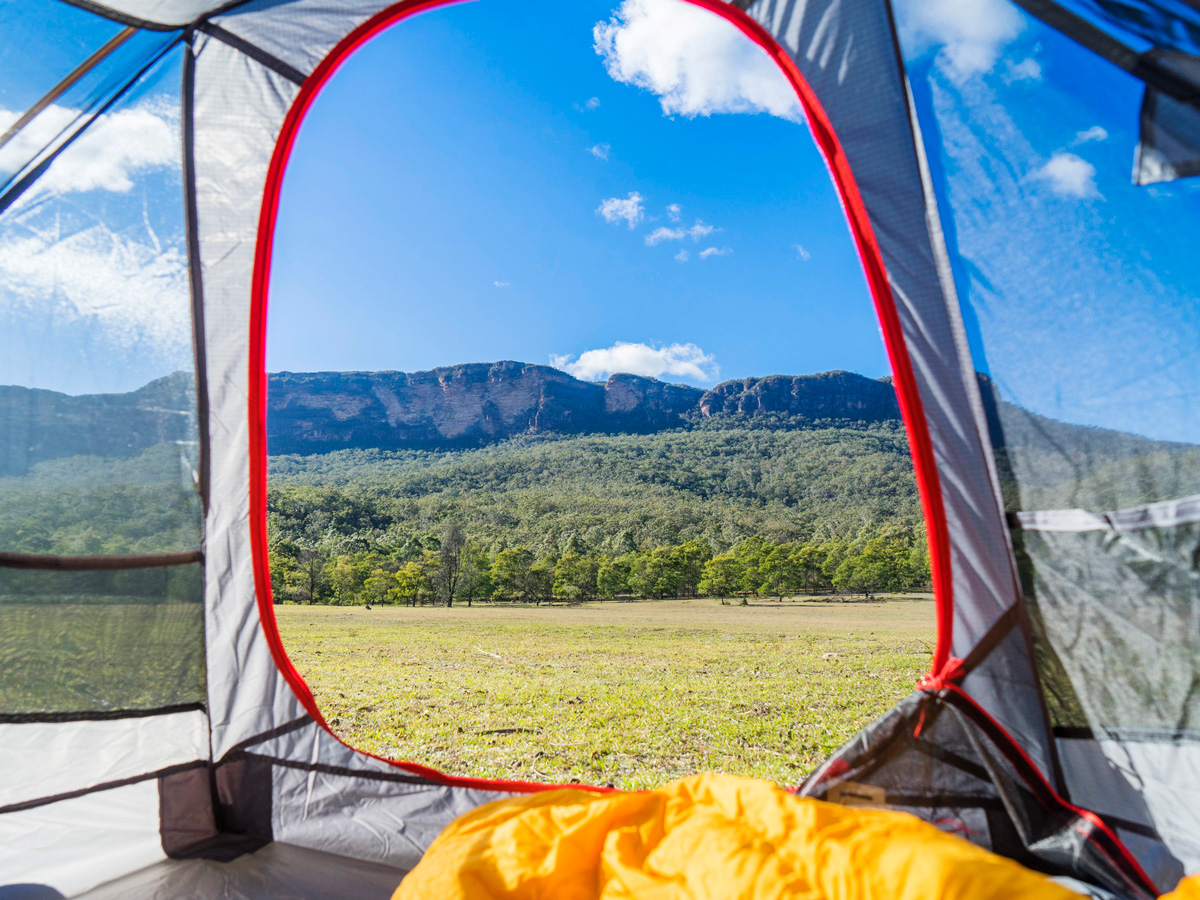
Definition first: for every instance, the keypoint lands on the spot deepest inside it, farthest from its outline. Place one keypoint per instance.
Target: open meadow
(628, 694)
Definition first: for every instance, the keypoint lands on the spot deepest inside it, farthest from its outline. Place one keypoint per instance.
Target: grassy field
(628, 694)
(57, 656)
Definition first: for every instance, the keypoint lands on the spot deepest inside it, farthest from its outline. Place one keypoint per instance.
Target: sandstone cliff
(40, 425)
(830, 395)
(477, 403)
(452, 407)
(460, 406)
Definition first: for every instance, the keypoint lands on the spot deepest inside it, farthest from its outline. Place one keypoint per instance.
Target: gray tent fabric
(155, 13)
(1170, 144)
(242, 791)
(855, 71)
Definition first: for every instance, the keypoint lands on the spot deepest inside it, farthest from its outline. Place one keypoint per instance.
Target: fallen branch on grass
(486, 653)
(510, 731)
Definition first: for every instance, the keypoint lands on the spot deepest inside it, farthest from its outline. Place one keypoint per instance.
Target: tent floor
(274, 872)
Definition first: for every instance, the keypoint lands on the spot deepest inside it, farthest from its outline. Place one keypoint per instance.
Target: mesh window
(1078, 289)
(98, 426)
(100, 641)
(1119, 616)
(60, 66)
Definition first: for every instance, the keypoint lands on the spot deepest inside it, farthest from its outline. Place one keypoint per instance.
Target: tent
(1057, 723)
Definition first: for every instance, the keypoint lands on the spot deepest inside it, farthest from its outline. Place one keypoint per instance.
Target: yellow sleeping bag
(709, 837)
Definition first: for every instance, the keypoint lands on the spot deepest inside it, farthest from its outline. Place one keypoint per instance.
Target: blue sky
(442, 207)
(481, 183)
(1080, 288)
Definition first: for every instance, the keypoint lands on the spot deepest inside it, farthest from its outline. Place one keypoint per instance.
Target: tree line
(449, 568)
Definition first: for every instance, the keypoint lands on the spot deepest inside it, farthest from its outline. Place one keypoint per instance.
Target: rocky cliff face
(830, 395)
(477, 403)
(460, 406)
(451, 407)
(38, 425)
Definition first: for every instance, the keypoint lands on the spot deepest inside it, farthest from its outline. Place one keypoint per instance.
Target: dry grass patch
(628, 694)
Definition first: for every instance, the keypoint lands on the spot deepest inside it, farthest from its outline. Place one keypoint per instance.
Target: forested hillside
(730, 506)
(515, 481)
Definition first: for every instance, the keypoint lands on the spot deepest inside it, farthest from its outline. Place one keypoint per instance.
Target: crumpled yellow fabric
(709, 837)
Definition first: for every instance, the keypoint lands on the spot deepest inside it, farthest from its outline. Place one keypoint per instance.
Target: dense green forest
(729, 508)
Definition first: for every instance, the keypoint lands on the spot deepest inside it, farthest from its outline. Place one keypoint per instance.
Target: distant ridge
(478, 403)
(41, 425)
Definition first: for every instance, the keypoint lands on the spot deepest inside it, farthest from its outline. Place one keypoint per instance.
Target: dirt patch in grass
(628, 694)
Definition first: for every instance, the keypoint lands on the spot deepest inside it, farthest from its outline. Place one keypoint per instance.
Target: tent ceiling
(156, 13)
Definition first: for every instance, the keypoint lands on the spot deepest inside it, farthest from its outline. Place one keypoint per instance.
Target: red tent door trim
(907, 390)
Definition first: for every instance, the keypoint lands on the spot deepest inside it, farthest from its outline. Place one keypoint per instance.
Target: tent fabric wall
(121, 794)
(856, 71)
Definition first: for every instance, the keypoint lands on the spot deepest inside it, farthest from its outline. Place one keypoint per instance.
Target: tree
(575, 576)
(689, 560)
(345, 578)
(412, 580)
(312, 575)
(721, 576)
(540, 581)
(612, 577)
(449, 563)
(655, 574)
(835, 554)
(510, 573)
(775, 572)
(379, 586)
(806, 561)
(476, 578)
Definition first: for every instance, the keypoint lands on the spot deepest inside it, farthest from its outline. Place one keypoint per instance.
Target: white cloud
(697, 63)
(587, 105)
(106, 156)
(674, 210)
(600, 151)
(629, 210)
(695, 232)
(1025, 70)
(1068, 175)
(658, 235)
(134, 294)
(969, 33)
(674, 360)
(801, 252)
(501, 284)
(714, 251)
(1095, 133)
(681, 256)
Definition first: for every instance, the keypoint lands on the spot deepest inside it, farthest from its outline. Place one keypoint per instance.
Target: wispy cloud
(715, 251)
(133, 294)
(674, 211)
(587, 105)
(674, 360)
(501, 284)
(630, 210)
(695, 232)
(97, 265)
(107, 156)
(1095, 133)
(697, 63)
(1025, 70)
(1068, 175)
(969, 34)
(802, 252)
(600, 151)
(681, 256)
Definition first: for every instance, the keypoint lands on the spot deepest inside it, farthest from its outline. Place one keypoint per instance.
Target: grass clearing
(628, 694)
(63, 657)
